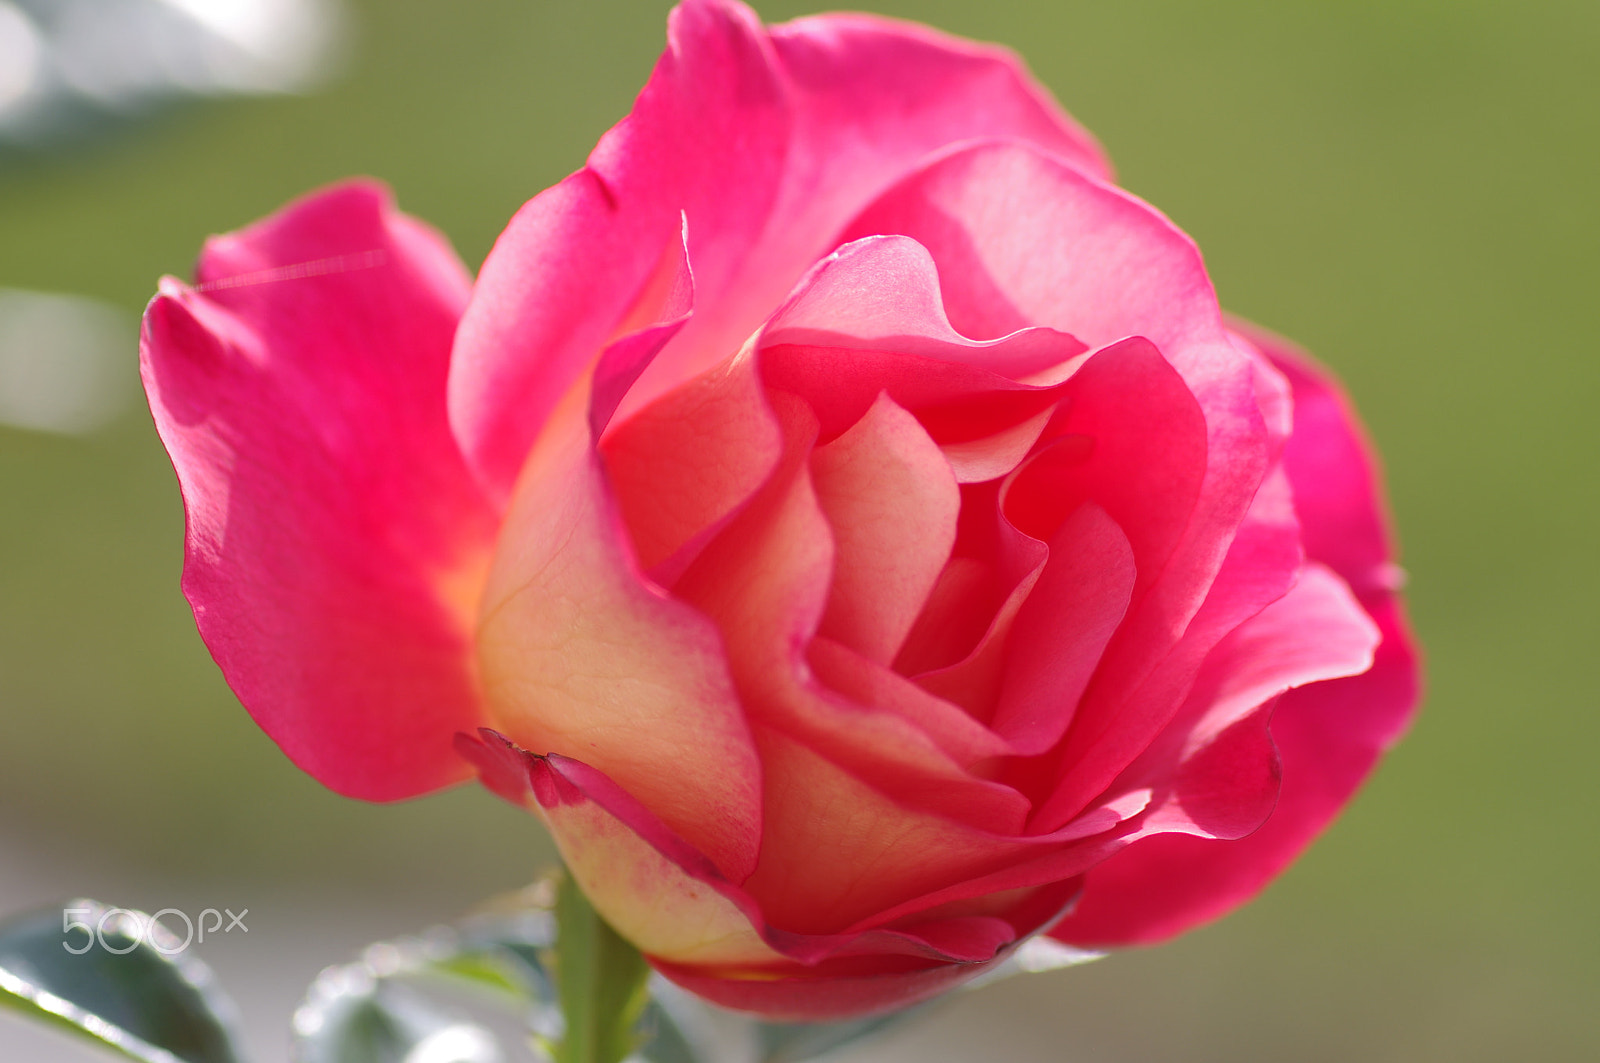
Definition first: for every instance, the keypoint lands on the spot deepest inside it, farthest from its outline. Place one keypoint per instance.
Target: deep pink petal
(827, 995)
(883, 294)
(1132, 439)
(993, 456)
(336, 541)
(1328, 734)
(1120, 718)
(1022, 239)
(866, 99)
(768, 146)
(660, 313)
(1337, 492)
(1217, 751)
(1323, 734)
(955, 403)
(957, 650)
(706, 142)
(880, 92)
(1062, 629)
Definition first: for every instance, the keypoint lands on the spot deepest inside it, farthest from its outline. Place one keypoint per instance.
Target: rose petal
(837, 851)
(336, 543)
(1337, 492)
(1164, 885)
(764, 579)
(764, 582)
(892, 501)
(682, 465)
(867, 98)
(994, 456)
(1022, 239)
(1062, 629)
(579, 656)
(825, 994)
(881, 92)
(768, 146)
(957, 649)
(1118, 720)
(883, 293)
(660, 313)
(962, 738)
(1328, 734)
(1315, 632)
(706, 140)
(881, 728)
(658, 892)
(1054, 861)
(953, 402)
(959, 611)
(693, 924)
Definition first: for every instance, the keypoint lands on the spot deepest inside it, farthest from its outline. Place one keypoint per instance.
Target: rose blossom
(842, 513)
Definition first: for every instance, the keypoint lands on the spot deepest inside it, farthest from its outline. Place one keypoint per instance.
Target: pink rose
(838, 509)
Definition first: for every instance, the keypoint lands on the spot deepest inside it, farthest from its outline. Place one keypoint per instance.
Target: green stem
(601, 979)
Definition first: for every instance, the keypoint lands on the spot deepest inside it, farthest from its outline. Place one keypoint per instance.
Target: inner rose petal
(892, 502)
(956, 648)
(686, 461)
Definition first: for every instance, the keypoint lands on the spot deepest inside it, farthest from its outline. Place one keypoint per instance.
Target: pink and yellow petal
(580, 656)
(891, 500)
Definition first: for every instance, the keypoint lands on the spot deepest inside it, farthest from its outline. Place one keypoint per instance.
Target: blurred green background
(1408, 187)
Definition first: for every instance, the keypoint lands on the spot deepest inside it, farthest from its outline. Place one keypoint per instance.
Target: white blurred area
(61, 60)
(67, 363)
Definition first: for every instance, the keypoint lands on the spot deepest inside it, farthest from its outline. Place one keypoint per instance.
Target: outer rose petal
(769, 144)
(336, 541)
(580, 656)
(698, 927)
(1328, 734)
(660, 894)
(1337, 493)
(1217, 749)
(706, 139)
(827, 995)
(1022, 239)
(1262, 564)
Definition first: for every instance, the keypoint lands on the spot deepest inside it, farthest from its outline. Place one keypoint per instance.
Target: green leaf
(601, 980)
(493, 971)
(114, 977)
(351, 1017)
